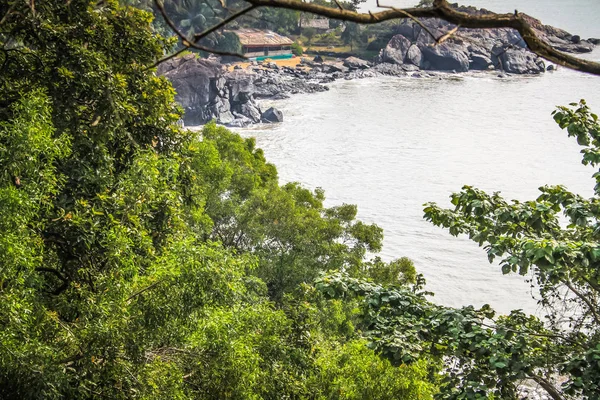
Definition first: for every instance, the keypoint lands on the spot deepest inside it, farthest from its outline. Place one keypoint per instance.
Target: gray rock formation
(474, 49)
(396, 49)
(354, 63)
(197, 85)
(516, 60)
(208, 91)
(446, 57)
(414, 56)
(272, 115)
(480, 62)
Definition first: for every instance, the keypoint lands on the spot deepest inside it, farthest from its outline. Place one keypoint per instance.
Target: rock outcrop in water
(208, 90)
(474, 49)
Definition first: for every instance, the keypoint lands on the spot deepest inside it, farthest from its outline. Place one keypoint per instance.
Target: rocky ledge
(209, 90)
(500, 49)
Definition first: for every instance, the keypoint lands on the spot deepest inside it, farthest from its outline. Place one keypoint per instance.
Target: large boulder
(355, 63)
(272, 115)
(396, 49)
(414, 56)
(472, 48)
(480, 62)
(241, 85)
(195, 83)
(446, 57)
(333, 66)
(515, 60)
(249, 109)
(409, 30)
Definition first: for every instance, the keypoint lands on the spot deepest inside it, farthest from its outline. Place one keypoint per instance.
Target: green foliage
(353, 35)
(400, 272)
(484, 357)
(139, 260)
(297, 49)
(530, 237)
(310, 34)
(279, 20)
(287, 227)
(354, 371)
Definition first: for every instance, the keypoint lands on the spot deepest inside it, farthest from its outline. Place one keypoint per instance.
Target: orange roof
(256, 37)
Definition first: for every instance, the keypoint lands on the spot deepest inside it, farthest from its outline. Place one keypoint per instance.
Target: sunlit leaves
(531, 238)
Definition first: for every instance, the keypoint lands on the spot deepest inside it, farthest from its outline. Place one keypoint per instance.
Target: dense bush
(297, 49)
(140, 260)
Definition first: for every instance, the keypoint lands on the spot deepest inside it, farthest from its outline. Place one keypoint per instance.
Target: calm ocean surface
(391, 144)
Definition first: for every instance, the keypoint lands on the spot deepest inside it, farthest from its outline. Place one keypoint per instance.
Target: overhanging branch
(443, 10)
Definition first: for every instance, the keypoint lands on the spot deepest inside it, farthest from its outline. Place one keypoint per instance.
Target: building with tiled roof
(262, 44)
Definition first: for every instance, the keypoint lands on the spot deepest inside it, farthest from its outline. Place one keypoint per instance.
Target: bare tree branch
(443, 10)
(412, 17)
(587, 302)
(548, 387)
(144, 290)
(447, 35)
(187, 43)
(221, 24)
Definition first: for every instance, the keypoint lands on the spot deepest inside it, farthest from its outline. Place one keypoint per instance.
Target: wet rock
(240, 121)
(581, 47)
(446, 57)
(480, 62)
(272, 115)
(396, 49)
(515, 60)
(193, 81)
(410, 67)
(389, 69)
(248, 109)
(414, 56)
(318, 59)
(551, 67)
(225, 118)
(354, 63)
(471, 48)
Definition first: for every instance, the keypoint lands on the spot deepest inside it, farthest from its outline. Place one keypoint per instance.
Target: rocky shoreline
(208, 90)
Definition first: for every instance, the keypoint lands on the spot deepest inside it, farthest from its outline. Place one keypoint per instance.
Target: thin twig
(221, 24)
(144, 289)
(591, 307)
(448, 35)
(421, 24)
(187, 43)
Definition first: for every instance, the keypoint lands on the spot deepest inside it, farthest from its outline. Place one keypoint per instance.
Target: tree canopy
(142, 260)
